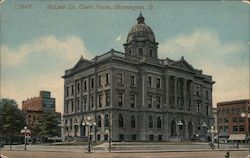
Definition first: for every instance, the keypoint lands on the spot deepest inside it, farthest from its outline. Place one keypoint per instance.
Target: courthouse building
(136, 95)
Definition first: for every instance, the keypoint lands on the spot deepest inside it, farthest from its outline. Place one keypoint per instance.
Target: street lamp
(88, 123)
(25, 130)
(180, 124)
(204, 125)
(212, 130)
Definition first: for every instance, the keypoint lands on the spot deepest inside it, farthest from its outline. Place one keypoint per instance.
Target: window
(78, 88)
(225, 120)
(107, 99)
(197, 90)
(150, 122)
(98, 137)
(241, 119)
(235, 119)
(150, 101)
(92, 101)
(160, 137)
(241, 128)
(158, 83)
(72, 105)
(189, 105)
(78, 104)
(106, 137)
(149, 81)
(106, 120)
(132, 99)
(99, 81)
(132, 80)
(133, 136)
(151, 137)
(132, 121)
(99, 121)
(158, 122)
(158, 102)
(120, 120)
(85, 103)
(67, 106)
(119, 78)
(107, 78)
(151, 53)
(198, 107)
(207, 109)
(121, 137)
(100, 100)
(140, 51)
(120, 99)
(235, 128)
(85, 85)
(207, 97)
(92, 83)
(72, 89)
(67, 91)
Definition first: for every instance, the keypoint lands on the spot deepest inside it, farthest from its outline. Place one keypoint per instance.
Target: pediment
(184, 65)
(82, 63)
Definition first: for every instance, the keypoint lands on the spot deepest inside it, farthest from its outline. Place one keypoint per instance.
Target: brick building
(35, 107)
(43, 102)
(136, 95)
(233, 117)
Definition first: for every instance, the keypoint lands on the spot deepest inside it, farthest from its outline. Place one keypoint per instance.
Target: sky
(41, 39)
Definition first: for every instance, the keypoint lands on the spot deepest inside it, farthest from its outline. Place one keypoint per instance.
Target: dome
(140, 31)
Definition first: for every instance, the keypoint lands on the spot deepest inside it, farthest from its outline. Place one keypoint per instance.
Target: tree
(12, 119)
(48, 125)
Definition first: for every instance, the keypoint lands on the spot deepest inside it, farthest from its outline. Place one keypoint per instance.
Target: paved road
(203, 154)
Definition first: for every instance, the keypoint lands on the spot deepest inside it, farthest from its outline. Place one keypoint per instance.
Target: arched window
(150, 122)
(132, 121)
(99, 120)
(120, 120)
(106, 120)
(158, 122)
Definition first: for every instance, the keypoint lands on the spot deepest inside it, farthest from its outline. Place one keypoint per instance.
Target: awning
(237, 137)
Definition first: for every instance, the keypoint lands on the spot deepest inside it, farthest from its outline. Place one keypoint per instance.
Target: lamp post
(204, 125)
(180, 124)
(88, 123)
(244, 115)
(25, 130)
(212, 130)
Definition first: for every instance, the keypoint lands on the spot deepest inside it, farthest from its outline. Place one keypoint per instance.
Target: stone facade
(141, 97)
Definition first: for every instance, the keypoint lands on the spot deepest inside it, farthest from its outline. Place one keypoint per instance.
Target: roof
(234, 102)
(140, 31)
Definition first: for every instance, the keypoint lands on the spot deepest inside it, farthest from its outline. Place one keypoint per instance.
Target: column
(184, 94)
(175, 92)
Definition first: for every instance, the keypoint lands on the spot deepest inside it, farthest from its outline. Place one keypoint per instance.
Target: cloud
(227, 62)
(120, 39)
(68, 49)
(19, 81)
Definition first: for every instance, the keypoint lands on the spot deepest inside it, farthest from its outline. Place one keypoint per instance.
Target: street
(191, 154)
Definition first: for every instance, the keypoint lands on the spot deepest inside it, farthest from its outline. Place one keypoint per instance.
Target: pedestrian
(212, 145)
